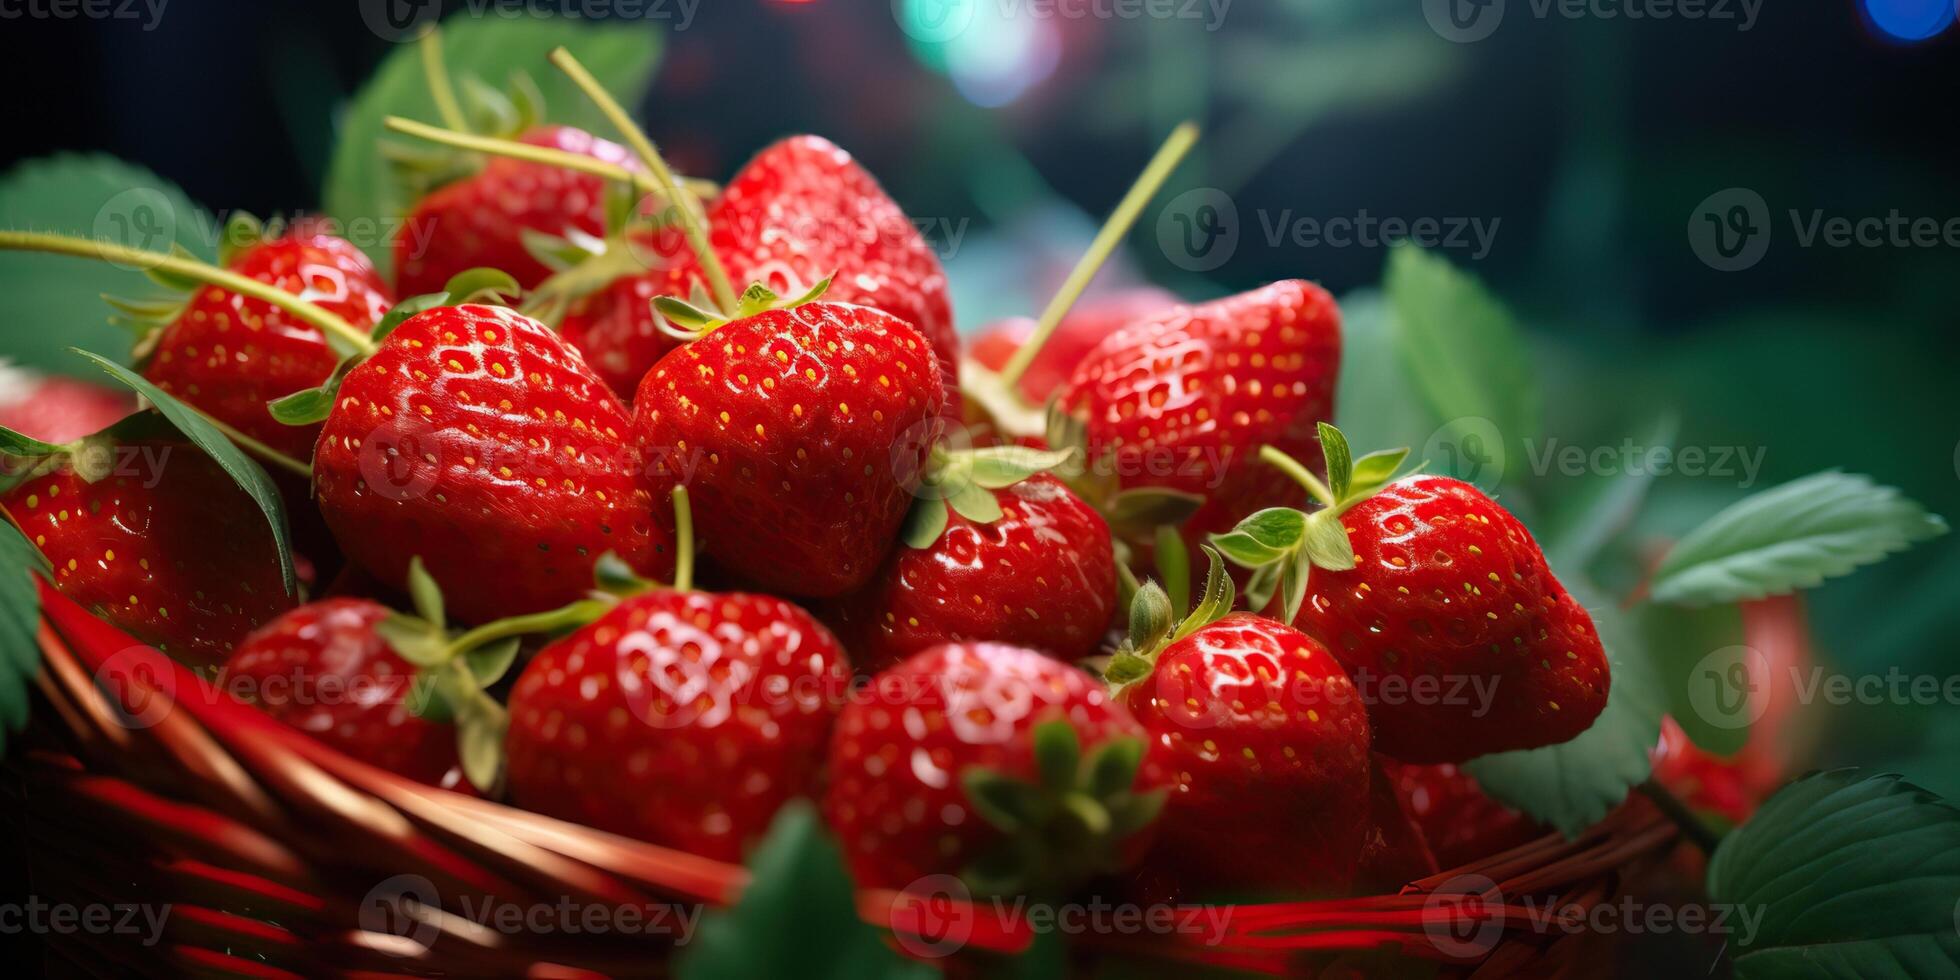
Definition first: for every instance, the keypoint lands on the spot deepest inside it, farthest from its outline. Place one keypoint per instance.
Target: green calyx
(1282, 545)
(1155, 625)
(313, 405)
(454, 669)
(963, 481)
(92, 457)
(1134, 514)
(696, 317)
(1065, 826)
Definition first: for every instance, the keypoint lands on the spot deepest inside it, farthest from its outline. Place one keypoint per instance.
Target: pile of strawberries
(981, 650)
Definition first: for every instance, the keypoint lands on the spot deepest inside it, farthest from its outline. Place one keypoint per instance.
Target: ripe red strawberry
(679, 717)
(154, 537)
(230, 355)
(1267, 741)
(1041, 575)
(1459, 821)
(57, 409)
(324, 669)
(1394, 851)
(1075, 336)
(996, 763)
(794, 428)
(1184, 399)
(800, 212)
(477, 438)
(479, 221)
(1448, 594)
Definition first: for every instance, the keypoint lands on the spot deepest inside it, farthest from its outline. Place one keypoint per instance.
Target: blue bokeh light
(1910, 20)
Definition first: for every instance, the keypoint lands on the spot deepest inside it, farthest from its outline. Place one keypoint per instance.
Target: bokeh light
(1910, 20)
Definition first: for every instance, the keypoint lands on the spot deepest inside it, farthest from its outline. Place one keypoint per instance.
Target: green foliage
(797, 917)
(1851, 877)
(53, 301)
(1790, 537)
(361, 184)
(20, 620)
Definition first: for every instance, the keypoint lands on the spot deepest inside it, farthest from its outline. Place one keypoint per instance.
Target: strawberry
(1031, 565)
(148, 533)
(794, 427)
(479, 221)
(801, 211)
(1394, 851)
(1075, 336)
(55, 409)
(1267, 740)
(997, 763)
(680, 717)
(326, 670)
(479, 438)
(230, 355)
(1460, 822)
(1184, 399)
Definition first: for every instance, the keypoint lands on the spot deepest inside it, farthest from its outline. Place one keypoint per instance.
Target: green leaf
(1791, 537)
(490, 662)
(1464, 350)
(975, 503)
(360, 183)
(1146, 508)
(249, 475)
(53, 298)
(1112, 767)
(998, 467)
(1573, 784)
(681, 313)
(414, 640)
(1687, 644)
(426, 594)
(20, 620)
(1217, 601)
(1150, 616)
(480, 731)
(1375, 470)
(1340, 460)
(925, 522)
(17, 445)
(406, 310)
(1293, 574)
(1264, 537)
(303, 407)
(797, 917)
(753, 300)
(482, 285)
(1603, 507)
(1057, 755)
(1326, 542)
(1848, 877)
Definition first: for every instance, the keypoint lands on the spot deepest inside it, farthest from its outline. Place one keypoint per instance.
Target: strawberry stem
(683, 541)
(683, 202)
(574, 614)
(437, 75)
(1683, 816)
(1300, 474)
(547, 155)
(204, 272)
(1113, 231)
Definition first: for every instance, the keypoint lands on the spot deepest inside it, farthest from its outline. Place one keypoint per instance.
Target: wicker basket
(141, 783)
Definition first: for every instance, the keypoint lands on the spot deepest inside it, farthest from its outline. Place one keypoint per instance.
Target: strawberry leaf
(925, 522)
(1573, 784)
(797, 917)
(1340, 460)
(481, 725)
(1264, 537)
(1850, 876)
(1375, 470)
(1461, 345)
(401, 312)
(482, 285)
(999, 467)
(246, 472)
(20, 621)
(361, 184)
(490, 662)
(975, 503)
(53, 297)
(1791, 537)
(1174, 568)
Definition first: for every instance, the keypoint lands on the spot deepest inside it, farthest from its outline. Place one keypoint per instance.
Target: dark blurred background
(1587, 139)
